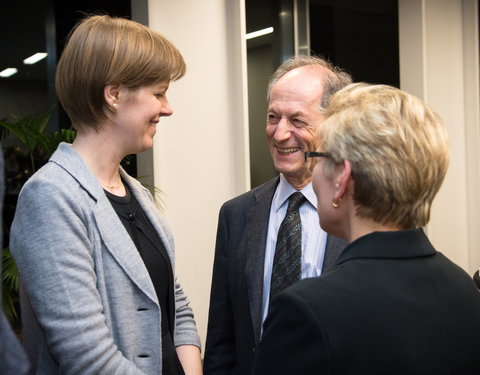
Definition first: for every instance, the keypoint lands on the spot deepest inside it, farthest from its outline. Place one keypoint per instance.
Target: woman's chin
(334, 230)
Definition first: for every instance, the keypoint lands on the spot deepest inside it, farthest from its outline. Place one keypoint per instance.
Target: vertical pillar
(439, 63)
(145, 159)
(301, 24)
(200, 154)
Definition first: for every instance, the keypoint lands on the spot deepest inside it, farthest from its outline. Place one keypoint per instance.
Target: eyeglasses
(314, 155)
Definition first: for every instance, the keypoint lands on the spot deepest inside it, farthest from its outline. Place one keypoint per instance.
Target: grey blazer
(90, 306)
(235, 316)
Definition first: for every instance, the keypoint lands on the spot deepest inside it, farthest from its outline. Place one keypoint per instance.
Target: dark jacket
(235, 317)
(392, 305)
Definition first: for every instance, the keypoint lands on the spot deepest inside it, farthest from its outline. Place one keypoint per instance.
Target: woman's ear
(342, 178)
(111, 92)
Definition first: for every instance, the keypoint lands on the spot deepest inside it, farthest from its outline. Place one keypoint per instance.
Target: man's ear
(342, 179)
(111, 93)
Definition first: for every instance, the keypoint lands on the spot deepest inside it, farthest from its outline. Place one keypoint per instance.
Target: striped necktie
(287, 264)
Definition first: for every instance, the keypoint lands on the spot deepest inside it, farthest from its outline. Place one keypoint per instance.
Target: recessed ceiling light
(35, 58)
(258, 33)
(8, 72)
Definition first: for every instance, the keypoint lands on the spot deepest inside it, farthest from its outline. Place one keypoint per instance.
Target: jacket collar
(257, 216)
(70, 160)
(115, 237)
(411, 243)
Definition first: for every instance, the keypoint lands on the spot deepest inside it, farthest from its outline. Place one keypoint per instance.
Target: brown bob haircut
(103, 50)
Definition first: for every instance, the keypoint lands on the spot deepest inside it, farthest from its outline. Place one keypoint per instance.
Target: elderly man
(269, 237)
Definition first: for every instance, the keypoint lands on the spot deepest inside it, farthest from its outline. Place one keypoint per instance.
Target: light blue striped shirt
(314, 238)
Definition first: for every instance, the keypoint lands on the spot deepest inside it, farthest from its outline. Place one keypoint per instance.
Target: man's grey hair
(334, 81)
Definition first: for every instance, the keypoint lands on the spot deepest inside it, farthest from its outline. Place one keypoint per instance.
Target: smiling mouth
(289, 150)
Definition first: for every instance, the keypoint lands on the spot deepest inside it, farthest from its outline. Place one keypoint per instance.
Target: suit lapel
(152, 213)
(145, 200)
(257, 217)
(113, 233)
(333, 249)
(121, 247)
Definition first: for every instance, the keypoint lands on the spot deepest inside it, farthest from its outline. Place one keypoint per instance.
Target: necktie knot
(295, 201)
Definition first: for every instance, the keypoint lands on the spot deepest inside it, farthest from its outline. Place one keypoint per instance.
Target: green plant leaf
(9, 270)
(49, 141)
(8, 304)
(28, 129)
(10, 279)
(155, 191)
(32, 132)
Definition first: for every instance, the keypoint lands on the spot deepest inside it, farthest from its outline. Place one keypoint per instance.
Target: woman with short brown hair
(94, 253)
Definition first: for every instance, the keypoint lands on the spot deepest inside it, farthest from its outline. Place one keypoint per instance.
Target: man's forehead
(313, 71)
(294, 107)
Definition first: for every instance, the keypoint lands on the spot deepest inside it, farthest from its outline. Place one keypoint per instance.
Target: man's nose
(283, 130)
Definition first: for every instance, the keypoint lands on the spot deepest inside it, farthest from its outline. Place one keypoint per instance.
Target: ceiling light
(35, 58)
(257, 33)
(8, 72)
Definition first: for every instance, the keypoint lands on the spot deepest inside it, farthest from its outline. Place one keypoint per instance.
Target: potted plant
(36, 146)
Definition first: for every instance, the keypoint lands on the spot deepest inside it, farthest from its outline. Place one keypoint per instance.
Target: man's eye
(272, 119)
(297, 122)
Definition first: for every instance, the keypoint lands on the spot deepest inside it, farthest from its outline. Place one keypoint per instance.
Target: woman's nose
(167, 109)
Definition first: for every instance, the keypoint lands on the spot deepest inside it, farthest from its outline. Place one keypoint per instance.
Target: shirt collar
(284, 190)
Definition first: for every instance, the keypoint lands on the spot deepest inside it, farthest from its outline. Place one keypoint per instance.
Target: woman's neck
(102, 158)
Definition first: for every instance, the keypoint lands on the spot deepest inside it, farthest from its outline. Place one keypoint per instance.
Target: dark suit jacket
(235, 316)
(392, 305)
(476, 278)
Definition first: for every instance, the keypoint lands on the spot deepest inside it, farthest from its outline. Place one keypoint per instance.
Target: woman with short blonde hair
(397, 147)
(392, 304)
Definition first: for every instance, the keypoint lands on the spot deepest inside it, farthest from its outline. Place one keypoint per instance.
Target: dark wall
(361, 37)
(68, 13)
(28, 26)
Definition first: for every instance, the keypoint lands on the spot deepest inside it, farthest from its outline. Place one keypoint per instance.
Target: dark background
(27, 27)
